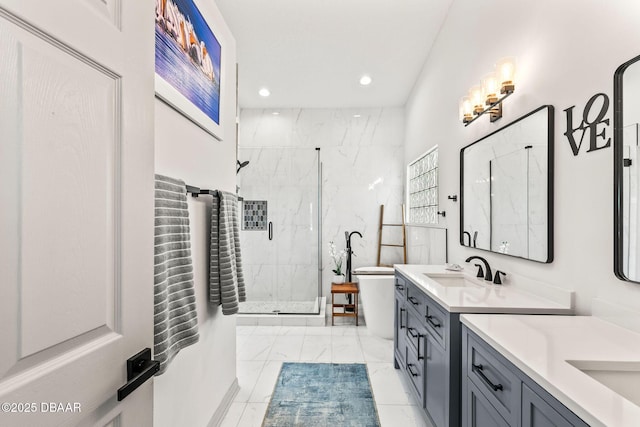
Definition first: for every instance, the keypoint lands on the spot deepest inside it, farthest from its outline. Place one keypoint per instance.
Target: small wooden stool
(345, 288)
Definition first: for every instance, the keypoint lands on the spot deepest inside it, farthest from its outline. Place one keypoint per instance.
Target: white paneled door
(76, 209)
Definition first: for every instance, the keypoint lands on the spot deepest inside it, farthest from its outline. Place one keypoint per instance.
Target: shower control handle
(270, 230)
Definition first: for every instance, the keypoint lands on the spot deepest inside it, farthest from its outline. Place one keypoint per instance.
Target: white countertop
(540, 346)
(484, 298)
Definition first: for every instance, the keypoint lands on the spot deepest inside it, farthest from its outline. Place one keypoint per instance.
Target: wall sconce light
(466, 110)
(494, 88)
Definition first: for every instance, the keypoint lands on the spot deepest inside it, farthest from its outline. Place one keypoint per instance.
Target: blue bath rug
(322, 394)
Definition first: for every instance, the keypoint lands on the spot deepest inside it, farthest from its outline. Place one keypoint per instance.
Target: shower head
(241, 165)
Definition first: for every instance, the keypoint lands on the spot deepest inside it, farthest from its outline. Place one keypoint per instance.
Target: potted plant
(337, 257)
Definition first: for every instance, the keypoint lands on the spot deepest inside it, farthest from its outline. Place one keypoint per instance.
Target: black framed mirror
(626, 218)
(506, 187)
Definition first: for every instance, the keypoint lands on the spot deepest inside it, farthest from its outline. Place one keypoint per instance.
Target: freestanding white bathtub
(376, 292)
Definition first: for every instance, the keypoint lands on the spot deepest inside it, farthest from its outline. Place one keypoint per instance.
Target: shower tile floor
(262, 349)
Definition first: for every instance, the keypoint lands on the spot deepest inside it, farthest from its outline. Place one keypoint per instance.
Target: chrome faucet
(488, 274)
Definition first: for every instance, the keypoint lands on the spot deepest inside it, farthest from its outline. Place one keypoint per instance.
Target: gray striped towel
(175, 317)
(226, 282)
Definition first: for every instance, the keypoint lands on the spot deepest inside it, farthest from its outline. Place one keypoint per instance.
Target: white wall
(363, 168)
(194, 385)
(567, 51)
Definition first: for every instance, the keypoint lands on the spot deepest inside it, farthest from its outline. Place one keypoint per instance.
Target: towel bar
(195, 192)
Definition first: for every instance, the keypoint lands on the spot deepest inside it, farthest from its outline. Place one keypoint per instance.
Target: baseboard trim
(227, 400)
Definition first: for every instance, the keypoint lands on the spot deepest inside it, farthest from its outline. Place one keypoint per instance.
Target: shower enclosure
(280, 233)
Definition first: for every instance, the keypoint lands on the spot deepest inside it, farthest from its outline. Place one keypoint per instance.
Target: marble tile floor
(262, 349)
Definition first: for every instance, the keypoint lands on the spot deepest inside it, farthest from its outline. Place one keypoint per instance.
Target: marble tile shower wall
(519, 203)
(363, 168)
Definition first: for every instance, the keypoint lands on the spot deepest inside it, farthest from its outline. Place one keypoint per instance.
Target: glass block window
(422, 188)
(254, 215)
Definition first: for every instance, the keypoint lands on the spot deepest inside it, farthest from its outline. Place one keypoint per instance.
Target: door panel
(479, 412)
(538, 413)
(76, 254)
(69, 101)
(437, 387)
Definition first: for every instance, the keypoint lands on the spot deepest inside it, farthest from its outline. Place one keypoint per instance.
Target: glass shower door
(280, 255)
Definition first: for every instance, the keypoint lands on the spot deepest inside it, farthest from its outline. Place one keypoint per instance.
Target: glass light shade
(506, 69)
(466, 109)
(477, 100)
(490, 88)
(365, 80)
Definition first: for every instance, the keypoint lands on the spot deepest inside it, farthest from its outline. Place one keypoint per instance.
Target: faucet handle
(496, 279)
(480, 271)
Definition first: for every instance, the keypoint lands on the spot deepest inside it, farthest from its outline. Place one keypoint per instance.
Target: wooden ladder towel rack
(404, 237)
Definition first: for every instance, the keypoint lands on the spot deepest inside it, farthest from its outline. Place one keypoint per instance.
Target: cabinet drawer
(494, 380)
(401, 287)
(416, 299)
(436, 321)
(414, 369)
(416, 332)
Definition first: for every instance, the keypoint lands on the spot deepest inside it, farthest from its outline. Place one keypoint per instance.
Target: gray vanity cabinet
(496, 393)
(427, 349)
(400, 323)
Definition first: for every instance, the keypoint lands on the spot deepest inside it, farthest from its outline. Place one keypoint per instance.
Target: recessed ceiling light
(357, 115)
(264, 92)
(365, 80)
(275, 113)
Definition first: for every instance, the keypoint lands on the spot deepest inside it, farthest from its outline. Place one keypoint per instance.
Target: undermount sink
(621, 377)
(454, 282)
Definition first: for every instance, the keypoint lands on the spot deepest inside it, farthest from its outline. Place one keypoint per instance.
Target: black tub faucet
(347, 236)
(488, 274)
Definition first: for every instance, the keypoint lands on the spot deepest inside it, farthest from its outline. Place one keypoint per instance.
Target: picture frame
(189, 71)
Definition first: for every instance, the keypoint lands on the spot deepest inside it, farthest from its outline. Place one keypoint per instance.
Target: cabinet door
(536, 412)
(437, 384)
(415, 373)
(479, 412)
(399, 335)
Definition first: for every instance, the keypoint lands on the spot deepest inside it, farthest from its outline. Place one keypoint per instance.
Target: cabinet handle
(434, 324)
(413, 374)
(399, 287)
(416, 335)
(402, 310)
(270, 230)
(413, 301)
(478, 370)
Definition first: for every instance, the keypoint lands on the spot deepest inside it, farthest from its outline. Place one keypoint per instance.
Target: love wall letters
(597, 127)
